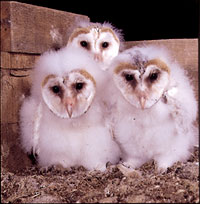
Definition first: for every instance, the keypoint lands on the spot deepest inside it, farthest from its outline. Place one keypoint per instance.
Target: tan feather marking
(112, 32)
(86, 75)
(158, 63)
(77, 32)
(47, 78)
(124, 65)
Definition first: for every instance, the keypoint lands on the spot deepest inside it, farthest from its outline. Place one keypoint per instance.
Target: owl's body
(62, 120)
(154, 108)
(101, 40)
(74, 142)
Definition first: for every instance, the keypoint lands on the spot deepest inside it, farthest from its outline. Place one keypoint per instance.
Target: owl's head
(71, 95)
(66, 80)
(141, 76)
(101, 40)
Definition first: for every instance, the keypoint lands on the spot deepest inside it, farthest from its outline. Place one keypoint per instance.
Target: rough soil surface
(179, 184)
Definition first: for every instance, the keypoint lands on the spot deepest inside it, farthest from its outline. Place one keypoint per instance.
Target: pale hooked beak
(98, 57)
(142, 101)
(70, 104)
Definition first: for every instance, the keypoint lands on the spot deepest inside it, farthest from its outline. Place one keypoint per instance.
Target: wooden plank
(14, 84)
(5, 26)
(12, 156)
(11, 60)
(32, 29)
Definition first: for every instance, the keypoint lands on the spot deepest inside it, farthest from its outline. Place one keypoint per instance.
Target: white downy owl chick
(101, 40)
(155, 108)
(62, 120)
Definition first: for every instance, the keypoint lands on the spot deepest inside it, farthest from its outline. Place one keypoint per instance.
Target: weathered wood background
(26, 32)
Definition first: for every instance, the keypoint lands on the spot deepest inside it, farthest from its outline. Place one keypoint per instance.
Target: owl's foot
(44, 170)
(131, 163)
(127, 165)
(33, 157)
(61, 168)
(128, 171)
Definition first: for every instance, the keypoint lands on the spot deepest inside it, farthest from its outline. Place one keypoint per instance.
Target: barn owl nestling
(101, 40)
(155, 107)
(62, 120)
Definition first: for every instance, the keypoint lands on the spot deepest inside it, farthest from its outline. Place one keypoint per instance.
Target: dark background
(139, 19)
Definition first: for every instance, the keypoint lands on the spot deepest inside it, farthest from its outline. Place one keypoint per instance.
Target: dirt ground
(179, 184)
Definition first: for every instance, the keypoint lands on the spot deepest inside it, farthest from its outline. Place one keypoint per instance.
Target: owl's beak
(98, 57)
(69, 111)
(70, 104)
(142, 101)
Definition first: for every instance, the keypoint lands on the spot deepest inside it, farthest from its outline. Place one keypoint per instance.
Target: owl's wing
(30, 116)
(183, 107)
(177, 102)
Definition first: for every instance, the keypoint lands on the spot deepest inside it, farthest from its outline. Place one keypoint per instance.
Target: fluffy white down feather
(165, 132)
(85, 140)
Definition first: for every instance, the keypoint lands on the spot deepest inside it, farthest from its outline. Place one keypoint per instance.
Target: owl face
(142, 84)
(101, 42)
(69, 96)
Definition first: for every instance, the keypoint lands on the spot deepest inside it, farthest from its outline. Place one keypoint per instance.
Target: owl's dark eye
(79, 86)
(105, 44)
(56, 89)
(153, 77)
(129, 77)
(84, 43)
